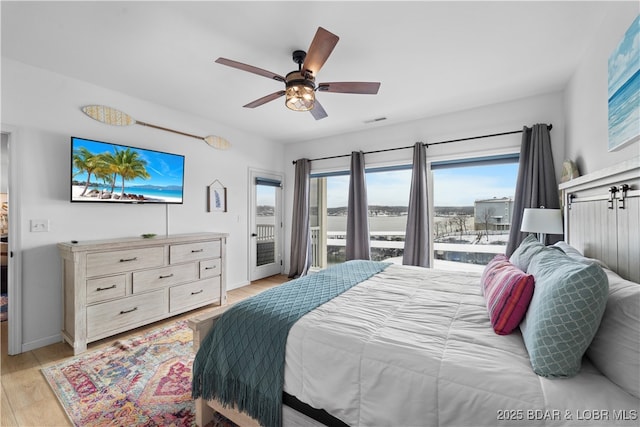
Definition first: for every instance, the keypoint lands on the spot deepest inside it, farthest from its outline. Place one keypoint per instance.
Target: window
(472, 199)
(388, 197)
(473, 205)
(328, 218)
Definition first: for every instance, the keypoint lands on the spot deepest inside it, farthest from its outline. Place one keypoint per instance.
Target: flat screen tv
(111, 173)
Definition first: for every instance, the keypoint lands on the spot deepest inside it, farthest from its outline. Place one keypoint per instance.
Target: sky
(164, 168)
(452, 187)
(265, 195)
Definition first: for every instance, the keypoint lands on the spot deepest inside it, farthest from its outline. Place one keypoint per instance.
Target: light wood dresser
(111, 286)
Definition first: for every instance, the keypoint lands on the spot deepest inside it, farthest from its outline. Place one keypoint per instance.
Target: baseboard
(43, 342)
(237, 285)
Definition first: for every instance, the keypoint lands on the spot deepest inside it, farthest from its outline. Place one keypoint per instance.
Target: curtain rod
(426, 144)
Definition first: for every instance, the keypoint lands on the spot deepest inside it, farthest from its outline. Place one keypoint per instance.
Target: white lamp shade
(547, 221)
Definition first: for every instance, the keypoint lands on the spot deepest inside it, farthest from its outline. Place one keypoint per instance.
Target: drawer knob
(196, 293)
(106, 289)
(166, 277)
(129, 311)
(128, 259)
(210, 268)
(197, 250)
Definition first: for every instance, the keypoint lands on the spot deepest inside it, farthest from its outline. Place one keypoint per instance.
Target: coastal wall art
(216, 197)
(624, 89)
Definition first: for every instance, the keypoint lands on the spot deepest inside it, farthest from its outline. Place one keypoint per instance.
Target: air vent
(379, 119)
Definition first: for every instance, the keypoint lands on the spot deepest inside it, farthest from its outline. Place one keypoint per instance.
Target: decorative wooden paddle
(114, 117)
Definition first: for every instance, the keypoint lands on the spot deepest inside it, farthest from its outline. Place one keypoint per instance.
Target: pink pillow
(508, 291)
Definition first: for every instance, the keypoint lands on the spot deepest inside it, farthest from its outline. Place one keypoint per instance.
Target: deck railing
(265, 232)
(265, 244)
(474, 253)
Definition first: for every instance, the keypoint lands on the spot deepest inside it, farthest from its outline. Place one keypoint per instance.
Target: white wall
(44, 108)
(586, 97)
(491, 119)
(4, 164)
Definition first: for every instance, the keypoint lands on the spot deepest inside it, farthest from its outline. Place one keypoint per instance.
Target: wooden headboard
(602, 216)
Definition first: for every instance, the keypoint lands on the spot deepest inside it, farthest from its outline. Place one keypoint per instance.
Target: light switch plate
(39, 225)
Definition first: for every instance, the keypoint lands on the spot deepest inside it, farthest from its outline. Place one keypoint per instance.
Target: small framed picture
(216, 197)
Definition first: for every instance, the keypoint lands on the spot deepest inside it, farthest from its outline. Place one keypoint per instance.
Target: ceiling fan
(300, 86)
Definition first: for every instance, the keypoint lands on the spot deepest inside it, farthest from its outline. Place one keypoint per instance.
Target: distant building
(493, 214)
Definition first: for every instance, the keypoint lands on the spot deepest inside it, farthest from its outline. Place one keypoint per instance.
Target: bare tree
(450, 224)
(485, 216)
(437, 227)
(461, 222)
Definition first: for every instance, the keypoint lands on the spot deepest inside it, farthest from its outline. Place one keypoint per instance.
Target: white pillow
(615, 349)
(567, 248)
(577, 255)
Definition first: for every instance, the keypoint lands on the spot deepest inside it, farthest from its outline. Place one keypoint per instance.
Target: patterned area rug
(143, 381)
(4, 303)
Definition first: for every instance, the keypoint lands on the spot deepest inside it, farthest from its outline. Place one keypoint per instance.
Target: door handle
(254, 235)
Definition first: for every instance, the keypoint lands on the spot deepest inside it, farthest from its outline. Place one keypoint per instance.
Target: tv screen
(104, 172)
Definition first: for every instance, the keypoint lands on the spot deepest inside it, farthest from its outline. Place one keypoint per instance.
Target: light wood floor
(27, 399)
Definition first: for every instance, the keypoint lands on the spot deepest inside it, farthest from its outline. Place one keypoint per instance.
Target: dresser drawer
(125, 313)
(161, 277)
(210, 268)
(105, 288)
(102, 263)
(194, 251)
(194, 294)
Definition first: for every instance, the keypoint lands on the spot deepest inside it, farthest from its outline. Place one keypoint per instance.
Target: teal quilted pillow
(564, 314)
(523, 254)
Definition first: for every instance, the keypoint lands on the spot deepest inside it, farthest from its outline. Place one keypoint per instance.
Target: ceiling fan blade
(318, 111)
(265, 99)
(250, 68)
(367, 88)
(321, 47)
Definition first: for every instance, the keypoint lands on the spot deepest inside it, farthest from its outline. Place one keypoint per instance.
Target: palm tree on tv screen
(105, 173)
(129, 165)
(109, 170)
(85, 161)
(107, 167)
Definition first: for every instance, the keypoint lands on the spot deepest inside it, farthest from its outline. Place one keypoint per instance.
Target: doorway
(265, 224)
(4, 228)
(9, 214)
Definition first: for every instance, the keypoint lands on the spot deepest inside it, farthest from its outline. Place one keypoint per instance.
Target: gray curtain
(300, 229)
(358, 246)
(536, 185)
(416, 242)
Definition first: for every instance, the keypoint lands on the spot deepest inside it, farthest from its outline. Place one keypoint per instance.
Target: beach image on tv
(103, 172)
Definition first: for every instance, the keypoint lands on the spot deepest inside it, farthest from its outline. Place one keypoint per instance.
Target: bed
(408, 346)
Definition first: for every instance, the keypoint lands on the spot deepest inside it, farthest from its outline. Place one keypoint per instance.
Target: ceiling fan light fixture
(300, 92)
(300, 85)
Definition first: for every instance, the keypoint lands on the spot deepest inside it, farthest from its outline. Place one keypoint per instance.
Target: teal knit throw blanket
(241, 360)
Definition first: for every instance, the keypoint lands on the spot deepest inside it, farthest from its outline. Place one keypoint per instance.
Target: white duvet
(414, 347)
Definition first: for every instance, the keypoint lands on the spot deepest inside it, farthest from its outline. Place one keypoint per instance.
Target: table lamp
(542, 221)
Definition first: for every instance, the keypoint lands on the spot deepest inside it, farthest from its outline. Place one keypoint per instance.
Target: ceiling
(431, 57)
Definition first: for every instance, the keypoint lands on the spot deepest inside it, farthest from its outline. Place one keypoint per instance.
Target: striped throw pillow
(508, 291)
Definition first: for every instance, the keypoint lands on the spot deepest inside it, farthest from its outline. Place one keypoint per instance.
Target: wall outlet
(39, 225)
